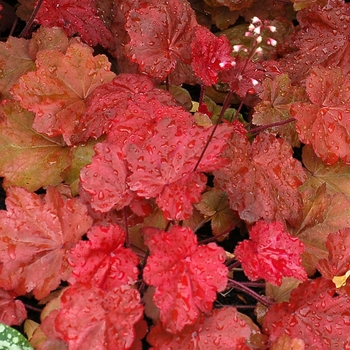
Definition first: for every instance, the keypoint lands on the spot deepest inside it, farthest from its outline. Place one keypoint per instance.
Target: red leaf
(322, 40)
(262, 179)
(223, 329)
(76, 17)
(12, 312)
(163, 166)
(186, 282)
(271, 253)
(104, 180)
(338, 261)
(325, 122)
(137, 119)
(250, 81)
(160, 35)
(36, 233)
(314, 314)
(109, 101)
(106, 318)
(103, 260)
(57, 90)
(210, 55)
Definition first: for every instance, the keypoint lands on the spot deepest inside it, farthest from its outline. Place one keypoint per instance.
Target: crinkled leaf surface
(322, 40)
(76, 17)
(336, 176)
(48, 39)
(325, 123)
(277, 97)
(12, 311)
(262, 179)
(106, 318)
(28, 159)
(163, 166)
(338, 261)
(323, 214)
(111, 101)
(15, 60)
(103, 260)
(210, 55)
(223, 329)
(160, 36)
(271, 253)
(104, 180)
(57, 90)
(314, 314)
(36, 234)
(215, 206)
(186, 276)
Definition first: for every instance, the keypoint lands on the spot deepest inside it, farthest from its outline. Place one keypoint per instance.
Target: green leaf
(28, 159)
(10, 339)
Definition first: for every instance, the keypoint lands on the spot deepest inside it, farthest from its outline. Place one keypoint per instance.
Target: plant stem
(26, 30)
(237, 285)
(257, 129)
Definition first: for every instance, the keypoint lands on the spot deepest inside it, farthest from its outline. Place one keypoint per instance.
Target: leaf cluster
(133, 207)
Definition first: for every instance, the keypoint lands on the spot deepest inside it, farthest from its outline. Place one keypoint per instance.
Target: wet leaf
(76, 17)
(106, 317)
(103, 260)
(277, 97)
(222, 329)
(314, 314)
(324, 123)
(262, 179)
(160, 34)
(29, 159)
(57, 90)
(35, 234)
(271, 253)
(210, 55)
(185, 282)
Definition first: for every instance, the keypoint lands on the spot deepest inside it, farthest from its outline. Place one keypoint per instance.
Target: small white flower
(272, 28)
(257, 31)
(259, 39)
(271, 42)
(256, 20)
(236, 48)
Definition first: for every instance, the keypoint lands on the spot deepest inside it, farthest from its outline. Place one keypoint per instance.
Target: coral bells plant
(175, 175)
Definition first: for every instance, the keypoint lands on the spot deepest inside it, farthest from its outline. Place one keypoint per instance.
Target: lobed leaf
(103, 260)
(324, 123)
(35, 235)
(271, 253)
(186, 282)
(12, 311)
(277, 97)
(106, 318)
(323, 214)
(262, 179)
(163, 166)
(57, 90)
(76, 17)
(210, 55)
(104, 180)
(159, 36)
(314, 314)
(26, 153)
(223, 329)
(338, 261)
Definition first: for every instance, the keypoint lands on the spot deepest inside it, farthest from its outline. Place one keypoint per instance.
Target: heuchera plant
(132, 208)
